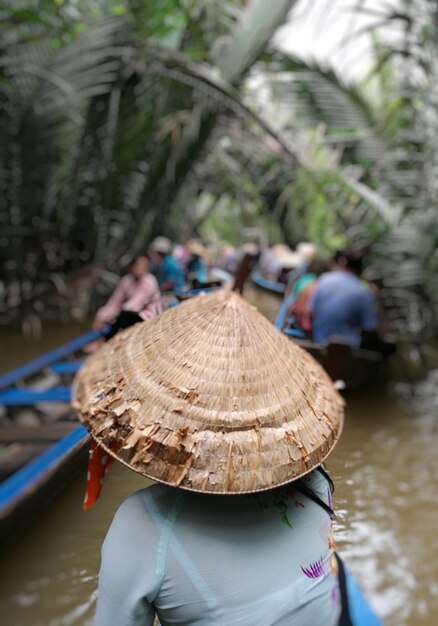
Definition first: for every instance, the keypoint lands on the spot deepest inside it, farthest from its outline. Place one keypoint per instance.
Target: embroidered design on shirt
(280, 503)
(315, 569)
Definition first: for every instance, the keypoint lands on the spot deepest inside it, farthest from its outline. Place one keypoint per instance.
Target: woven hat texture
(210, 397)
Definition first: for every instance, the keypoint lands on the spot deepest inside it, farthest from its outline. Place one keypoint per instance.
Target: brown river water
(385, 470)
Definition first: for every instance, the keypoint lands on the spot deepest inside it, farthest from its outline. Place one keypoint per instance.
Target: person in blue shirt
(343, 307)
(197, 272)
(169, 272)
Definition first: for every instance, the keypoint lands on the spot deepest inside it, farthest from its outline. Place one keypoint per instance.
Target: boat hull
(272, 286)
(35, 486)
(353, 369)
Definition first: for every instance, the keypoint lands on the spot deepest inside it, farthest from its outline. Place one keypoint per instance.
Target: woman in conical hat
(233, 421)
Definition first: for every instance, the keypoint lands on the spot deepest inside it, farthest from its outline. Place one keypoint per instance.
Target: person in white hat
(170, 274)
(233, 421)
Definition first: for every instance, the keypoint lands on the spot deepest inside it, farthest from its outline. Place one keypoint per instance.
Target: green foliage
(375, 179)
(100, 130)
(123, 119)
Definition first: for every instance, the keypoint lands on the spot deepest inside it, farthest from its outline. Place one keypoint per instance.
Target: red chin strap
(99, 462)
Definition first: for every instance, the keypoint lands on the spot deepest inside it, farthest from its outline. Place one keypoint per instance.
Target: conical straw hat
(196, 248)
(307, 250)
(210, 397)
(290, 260)
(280, 249)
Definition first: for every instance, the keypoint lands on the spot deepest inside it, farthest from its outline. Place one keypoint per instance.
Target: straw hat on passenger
(307, 251)
(210, 397)
(196, 248)
(280, 249)
(290, 261)
(249, 248)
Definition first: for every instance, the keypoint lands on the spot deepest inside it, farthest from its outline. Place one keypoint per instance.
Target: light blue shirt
(342, 306)
(206, 560)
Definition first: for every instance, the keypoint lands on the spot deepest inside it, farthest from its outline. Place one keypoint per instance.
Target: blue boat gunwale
(361, 611)
(47, 359)
(265, 283)
(30, 476)
(285, 306)
(66, 367)
(30, 397)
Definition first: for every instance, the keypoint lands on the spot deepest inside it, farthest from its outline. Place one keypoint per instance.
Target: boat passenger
(307, 252)
(302, 292)
(135, 299)
(235, 431)
(197, 273)
(288, 263)
(169, 272)
(270, 260)
(229, 257)
(181, 254)
(268, 263)
(344, 309)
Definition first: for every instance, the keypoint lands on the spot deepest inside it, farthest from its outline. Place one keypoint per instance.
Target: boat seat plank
(26, 396)
(66, 367)
(45, 432)
(15, 456)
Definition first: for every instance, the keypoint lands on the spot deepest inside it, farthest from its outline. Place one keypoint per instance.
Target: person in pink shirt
(135, 299)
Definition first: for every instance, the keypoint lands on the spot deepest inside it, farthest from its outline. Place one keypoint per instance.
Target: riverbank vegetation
(126, 119)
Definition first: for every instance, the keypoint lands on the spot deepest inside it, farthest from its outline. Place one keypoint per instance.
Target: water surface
(384, 467)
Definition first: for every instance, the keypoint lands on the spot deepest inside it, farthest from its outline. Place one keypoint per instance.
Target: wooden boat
(349, 368)
(42, 443)
(268, 285)
(360, 611)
